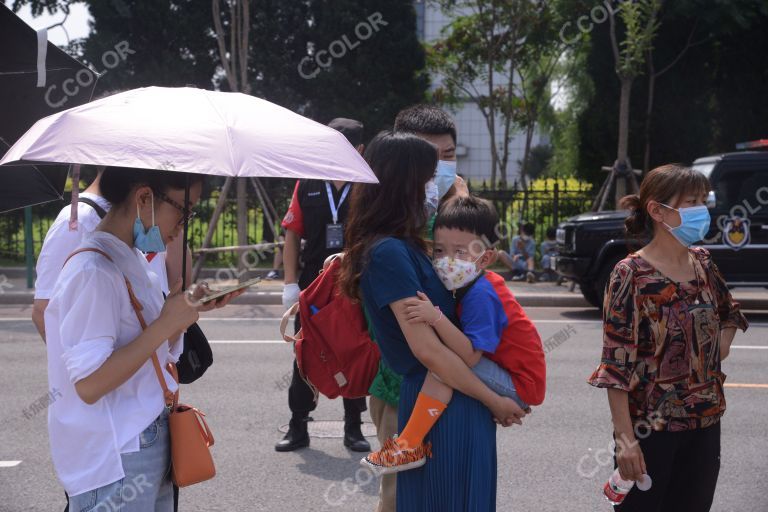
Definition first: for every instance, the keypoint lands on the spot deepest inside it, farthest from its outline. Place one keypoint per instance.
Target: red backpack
(334, 351)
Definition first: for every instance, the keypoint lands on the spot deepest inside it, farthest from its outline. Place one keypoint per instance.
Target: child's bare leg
(435, 388)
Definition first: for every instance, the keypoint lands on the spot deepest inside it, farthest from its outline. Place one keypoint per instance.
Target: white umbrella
(192, 130)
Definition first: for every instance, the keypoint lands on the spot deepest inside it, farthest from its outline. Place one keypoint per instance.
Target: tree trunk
(622, 157)
(648, 118)
(242, 224)
(220, 204)
(626, 89)
(527, 151)
(494, 150)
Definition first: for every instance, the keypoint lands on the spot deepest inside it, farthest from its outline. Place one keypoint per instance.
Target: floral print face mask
(455, 273)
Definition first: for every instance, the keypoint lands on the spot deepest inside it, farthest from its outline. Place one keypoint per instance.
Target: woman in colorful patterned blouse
(669, 321)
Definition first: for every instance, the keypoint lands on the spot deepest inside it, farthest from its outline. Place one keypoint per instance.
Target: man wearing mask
(316, 214)
(434, 125)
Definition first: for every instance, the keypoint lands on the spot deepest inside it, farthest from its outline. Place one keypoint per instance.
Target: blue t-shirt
(396, 269)
(529, 246)
(483, 318)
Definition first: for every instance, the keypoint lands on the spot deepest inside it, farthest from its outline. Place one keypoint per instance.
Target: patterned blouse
(661, 342)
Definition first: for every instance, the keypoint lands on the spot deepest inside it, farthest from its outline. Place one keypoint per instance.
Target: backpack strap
(101, 212)
(293, 310)
(170, 397)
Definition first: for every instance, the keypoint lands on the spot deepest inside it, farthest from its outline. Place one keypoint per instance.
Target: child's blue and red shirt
(495, 323)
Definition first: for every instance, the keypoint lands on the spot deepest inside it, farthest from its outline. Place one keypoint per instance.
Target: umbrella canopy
(37, 79)
(192, 130)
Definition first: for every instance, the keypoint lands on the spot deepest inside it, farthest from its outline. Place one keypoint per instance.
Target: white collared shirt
(60, 242)
(90, 316)
(158, 265)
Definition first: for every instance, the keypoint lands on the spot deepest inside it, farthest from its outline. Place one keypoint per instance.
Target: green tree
(479, 58)
(381, 66)
(709, 100)
(640, 24)
(175, 44)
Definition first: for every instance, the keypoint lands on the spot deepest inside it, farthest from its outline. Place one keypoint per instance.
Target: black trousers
(684, 467)
(301, 399)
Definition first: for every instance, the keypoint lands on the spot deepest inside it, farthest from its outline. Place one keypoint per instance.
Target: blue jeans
(498, 380)
(520, 266)
(146, 486)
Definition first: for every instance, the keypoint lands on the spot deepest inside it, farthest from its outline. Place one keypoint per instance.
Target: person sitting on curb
(520, 258)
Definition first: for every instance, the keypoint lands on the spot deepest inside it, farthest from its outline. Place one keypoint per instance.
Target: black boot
(296, 437)
(353, 436)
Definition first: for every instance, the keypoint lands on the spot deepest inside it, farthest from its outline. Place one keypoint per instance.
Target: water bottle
(616, 488)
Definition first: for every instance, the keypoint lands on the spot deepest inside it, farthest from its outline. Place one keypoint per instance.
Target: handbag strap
(170, 397)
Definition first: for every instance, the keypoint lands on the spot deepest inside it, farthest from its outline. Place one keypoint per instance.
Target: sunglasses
(186, 213)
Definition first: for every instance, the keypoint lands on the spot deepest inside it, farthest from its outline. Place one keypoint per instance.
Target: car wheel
(590, 293)
(603, 277)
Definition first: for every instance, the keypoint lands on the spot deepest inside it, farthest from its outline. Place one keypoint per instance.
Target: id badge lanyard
(334, 233)
(334, 207)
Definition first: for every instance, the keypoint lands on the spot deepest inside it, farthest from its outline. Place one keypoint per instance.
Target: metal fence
(544, 206)
(12, 239)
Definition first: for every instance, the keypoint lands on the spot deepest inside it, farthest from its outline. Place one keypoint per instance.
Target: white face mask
(455, 273)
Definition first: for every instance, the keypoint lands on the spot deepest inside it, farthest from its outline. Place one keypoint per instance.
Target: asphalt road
(556, 462)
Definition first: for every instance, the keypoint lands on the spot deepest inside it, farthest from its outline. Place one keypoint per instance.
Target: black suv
(590, 244)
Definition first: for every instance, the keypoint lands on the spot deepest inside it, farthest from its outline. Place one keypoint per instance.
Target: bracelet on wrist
(432, 323)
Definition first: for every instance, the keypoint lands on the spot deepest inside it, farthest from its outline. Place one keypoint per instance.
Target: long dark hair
(661, 185)
(403, 164)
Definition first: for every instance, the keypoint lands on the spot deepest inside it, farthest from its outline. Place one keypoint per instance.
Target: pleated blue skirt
(461, 475)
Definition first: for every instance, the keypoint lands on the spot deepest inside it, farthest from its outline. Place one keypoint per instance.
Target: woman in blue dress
(385, 264)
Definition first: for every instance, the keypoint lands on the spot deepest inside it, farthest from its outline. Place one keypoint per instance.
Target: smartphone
(220, 293)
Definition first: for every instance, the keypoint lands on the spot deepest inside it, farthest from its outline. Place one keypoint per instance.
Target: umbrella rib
(226, 127)
(60, 198)
(35, 71)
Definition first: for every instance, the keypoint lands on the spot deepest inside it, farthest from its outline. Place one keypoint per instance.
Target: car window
(705, 168)
(748, 188)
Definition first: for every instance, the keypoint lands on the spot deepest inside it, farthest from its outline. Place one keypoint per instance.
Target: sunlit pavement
(557, 461)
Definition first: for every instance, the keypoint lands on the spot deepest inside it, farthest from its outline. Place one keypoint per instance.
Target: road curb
(276, 298)
(527, 300)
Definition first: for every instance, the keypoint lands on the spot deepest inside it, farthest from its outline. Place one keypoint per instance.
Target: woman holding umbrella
(99, 359)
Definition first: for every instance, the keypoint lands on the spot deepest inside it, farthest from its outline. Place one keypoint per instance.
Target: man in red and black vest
(316, 215)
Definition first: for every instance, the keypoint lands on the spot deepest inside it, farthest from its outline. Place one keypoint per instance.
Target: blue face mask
(431, 200)
(150, 240)
(694, 224)
(445, 176)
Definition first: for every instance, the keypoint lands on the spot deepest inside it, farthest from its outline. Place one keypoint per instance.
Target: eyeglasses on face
(186, 213)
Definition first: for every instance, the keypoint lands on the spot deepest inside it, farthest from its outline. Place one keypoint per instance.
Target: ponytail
(638, 223)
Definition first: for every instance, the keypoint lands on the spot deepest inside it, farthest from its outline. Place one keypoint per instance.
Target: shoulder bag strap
(170, 397)
(101, 212)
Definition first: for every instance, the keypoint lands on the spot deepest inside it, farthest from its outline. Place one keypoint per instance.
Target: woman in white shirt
(109, 429)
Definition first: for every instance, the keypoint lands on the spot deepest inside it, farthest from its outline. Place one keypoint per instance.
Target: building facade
(474, 143)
